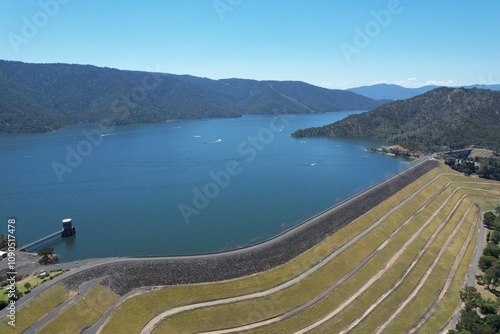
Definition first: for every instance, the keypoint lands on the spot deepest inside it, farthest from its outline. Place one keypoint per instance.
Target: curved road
(237, 263)
(148, 328)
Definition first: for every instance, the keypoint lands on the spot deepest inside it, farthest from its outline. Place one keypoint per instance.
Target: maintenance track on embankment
(367, 276)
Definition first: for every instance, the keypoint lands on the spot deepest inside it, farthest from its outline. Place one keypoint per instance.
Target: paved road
(471, 276)
(84, 288)
(98, 325)
(85, 265)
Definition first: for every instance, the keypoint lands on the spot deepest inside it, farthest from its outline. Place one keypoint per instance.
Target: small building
(68, 228)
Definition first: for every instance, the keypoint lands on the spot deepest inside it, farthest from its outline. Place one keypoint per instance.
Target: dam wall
(126, 274)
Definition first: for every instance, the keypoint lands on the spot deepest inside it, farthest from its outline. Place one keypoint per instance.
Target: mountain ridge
(442, 118)
(395, 92)
(44, 97)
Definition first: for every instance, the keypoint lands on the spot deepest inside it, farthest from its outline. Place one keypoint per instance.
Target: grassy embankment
(83, 313)
(255, 310)
(36, 309)
(451, 206)
(259, 309)
(136, 314)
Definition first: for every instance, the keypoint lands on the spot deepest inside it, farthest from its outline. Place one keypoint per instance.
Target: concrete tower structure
(68, 228)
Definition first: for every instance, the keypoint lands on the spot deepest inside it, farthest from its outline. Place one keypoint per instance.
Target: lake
(182, 187)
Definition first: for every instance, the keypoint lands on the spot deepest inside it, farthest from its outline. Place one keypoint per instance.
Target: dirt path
(451, 275)
(150, 326)
(159, 318)
(415, 261)
(367, 285)
(429, 271)
(389, 264)
(346, 277)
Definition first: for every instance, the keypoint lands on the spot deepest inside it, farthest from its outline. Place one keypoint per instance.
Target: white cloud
(410, 82)
(441, 83)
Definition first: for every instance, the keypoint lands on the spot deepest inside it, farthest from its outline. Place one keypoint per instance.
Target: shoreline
(125, 274)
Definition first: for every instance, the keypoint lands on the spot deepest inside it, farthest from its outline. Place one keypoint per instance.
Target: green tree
(492, 250)
(493, 320)
(492, 275)
(495, 237)
(471, 322)
(488, 306)
(488, 219)
(27, 285)
(486, 261)
(471, 297)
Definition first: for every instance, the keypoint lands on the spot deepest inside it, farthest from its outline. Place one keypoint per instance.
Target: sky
(329, 43)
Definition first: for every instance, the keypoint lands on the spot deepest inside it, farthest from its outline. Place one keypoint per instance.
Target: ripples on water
(124, 196)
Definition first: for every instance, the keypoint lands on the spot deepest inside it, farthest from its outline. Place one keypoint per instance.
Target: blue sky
(330, 43)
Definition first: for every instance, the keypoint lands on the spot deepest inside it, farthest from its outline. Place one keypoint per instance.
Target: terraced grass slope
(397, 268)
(409, 259)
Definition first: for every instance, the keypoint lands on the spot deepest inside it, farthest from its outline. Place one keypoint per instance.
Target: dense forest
(44, 97)
(442, 118)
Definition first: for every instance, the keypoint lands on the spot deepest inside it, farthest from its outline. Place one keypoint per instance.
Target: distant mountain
(395, 92)
(442, 118)
(43, 97)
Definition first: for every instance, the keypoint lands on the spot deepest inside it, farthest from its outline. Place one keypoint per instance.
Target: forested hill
(43, 97)
(442, 118)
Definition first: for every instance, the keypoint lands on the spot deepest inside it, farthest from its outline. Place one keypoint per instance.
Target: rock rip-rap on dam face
(124, 275)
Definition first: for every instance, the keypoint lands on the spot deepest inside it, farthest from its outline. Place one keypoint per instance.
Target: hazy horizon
(329, 44)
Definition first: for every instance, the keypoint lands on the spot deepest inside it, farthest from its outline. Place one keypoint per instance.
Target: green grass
(36, 309)
(392, 275)
(184, 318)
(133, 314)
(180, 323)
(83, 313)
(33, 280)
(435, 282)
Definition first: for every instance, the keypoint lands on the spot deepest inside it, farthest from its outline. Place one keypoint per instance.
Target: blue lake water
(180, 187)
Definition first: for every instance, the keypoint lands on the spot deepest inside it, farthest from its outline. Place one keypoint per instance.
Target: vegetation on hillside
(453, 118)
(485, 168)
(482, 315)
(44, 97)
